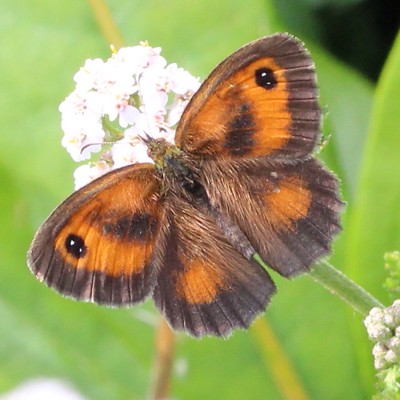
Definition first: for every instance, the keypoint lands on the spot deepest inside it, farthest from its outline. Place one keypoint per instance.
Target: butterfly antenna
(146, 138)
(92, 144)
(99, 144)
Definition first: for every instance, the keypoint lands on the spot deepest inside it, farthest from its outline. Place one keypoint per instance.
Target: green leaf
(374, 227)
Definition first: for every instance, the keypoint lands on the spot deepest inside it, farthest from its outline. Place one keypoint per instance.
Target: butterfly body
(174, 169)
(239, 180)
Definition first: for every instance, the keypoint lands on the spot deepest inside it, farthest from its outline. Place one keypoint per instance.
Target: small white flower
(394, 342)
(144, 125)
(152, 93)
(124, 153)
(176, 111)
(383, 328)
(118, 106)
(378, 349)
(87, 76)
(396, 304)
(127, 114)
(87, 173)
(82, 131)
(137, 58)
(181, 82)
(391, 356)
(94, 104)
(379, 332)
(74, 104)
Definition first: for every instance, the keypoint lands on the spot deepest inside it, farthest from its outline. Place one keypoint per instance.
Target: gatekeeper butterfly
(240, 181)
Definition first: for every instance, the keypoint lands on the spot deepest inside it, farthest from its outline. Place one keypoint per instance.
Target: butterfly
(240, 181)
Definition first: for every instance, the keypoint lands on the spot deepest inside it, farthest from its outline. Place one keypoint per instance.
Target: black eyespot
(75, 246)
(265, 78)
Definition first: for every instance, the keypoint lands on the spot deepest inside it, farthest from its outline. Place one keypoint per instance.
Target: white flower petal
(124, 153)
(176, 111)
(181, 81)
(89, 172)
(80, 132)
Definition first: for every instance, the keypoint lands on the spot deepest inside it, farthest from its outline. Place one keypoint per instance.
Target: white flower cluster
(383, 327)
(117, 101)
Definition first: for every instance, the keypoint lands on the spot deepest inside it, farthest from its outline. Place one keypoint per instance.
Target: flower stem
(340, 285)
(165, 346)
(277, 362)
(106, 22)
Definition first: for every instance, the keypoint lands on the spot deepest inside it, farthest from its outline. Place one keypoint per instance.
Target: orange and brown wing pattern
(98, 244)
(288, 212)
(260, 101)
(204, 285)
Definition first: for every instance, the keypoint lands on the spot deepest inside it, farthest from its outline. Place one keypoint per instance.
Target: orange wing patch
(199, 283)
(289, 202)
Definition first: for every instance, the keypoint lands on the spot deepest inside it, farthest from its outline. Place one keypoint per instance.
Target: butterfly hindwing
(260, 101)
(204, 285)
(98, 244)
(288, 212)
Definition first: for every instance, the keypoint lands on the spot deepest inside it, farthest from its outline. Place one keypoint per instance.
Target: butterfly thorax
(172, 166)
(159, 150)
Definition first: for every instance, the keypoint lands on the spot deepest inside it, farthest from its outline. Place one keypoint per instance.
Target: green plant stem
(106, 23)
(277, 362)
(341, 286)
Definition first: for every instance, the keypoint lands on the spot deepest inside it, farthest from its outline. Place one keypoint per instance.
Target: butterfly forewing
(97, 246)
(260, 101)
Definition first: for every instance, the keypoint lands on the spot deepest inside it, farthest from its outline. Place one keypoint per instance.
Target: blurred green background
(108, 354)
